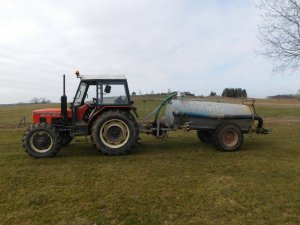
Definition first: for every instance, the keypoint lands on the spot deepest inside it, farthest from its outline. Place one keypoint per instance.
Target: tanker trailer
(223, 124)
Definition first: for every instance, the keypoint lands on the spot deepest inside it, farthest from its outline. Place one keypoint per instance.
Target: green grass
(278, 112)
(173, 181)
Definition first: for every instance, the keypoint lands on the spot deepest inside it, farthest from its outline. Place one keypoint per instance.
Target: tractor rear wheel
(114, 133)
(40, 141)
(228, 137)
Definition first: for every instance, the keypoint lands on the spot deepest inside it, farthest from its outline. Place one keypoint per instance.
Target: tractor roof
(103, 77)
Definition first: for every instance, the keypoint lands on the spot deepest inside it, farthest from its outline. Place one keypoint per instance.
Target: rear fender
(100, 110)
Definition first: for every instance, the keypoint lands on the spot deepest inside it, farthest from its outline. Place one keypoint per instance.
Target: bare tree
(279, 33)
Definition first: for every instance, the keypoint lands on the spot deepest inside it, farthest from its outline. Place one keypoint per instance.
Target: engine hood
(52, 112)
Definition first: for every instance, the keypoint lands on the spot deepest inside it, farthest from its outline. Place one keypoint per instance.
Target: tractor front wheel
(40, 141)
(114, 133)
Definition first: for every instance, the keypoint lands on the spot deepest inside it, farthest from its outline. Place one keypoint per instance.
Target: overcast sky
(185, 45)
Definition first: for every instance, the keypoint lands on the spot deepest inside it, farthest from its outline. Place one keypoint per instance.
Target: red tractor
(101, 108)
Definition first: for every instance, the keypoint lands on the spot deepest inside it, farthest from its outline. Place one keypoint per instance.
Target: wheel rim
(41, 141)
(230, 138)
(114, 133)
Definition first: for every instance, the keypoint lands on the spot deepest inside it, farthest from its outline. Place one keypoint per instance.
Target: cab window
(80, 94)
(91, 95)
(114, 94)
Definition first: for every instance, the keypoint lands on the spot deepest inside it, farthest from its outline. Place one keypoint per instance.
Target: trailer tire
(228, 137)
(206, 136)
(40, 141)
(114, 133)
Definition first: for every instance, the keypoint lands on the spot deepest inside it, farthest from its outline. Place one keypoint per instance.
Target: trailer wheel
(228, 137)
(40, 141)
(206, 136)
(114, 133)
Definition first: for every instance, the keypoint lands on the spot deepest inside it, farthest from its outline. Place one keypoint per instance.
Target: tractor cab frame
(109, 90)
(96, 93)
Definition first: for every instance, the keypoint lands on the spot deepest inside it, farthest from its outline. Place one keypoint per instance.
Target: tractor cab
(96, 93)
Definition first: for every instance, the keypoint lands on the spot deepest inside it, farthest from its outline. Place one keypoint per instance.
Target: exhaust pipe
(63, 101)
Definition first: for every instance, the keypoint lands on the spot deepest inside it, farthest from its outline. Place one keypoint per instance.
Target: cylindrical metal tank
(206, 114)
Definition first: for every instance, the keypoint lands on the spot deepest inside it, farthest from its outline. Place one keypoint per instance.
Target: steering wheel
(93, 104)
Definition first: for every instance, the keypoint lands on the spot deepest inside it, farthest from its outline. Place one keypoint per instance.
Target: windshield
(80, 94)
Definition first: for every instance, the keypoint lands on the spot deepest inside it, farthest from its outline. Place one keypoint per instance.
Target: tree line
(227, 92)
(39, 101)
(234, 93)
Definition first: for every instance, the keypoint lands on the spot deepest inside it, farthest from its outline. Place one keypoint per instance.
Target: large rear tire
(40, 141)
(228, 137)
(114, 133)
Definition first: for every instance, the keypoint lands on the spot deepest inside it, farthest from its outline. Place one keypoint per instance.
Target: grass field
(173, 181)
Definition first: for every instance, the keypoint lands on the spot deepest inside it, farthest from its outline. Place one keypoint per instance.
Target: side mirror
(107, 89)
